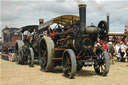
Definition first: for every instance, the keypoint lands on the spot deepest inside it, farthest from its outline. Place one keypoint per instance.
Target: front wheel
(102, 63)
(69, 63)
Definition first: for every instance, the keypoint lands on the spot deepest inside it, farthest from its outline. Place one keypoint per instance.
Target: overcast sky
(18, 13)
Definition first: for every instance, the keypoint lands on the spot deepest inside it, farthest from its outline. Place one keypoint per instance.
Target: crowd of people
(118, 51)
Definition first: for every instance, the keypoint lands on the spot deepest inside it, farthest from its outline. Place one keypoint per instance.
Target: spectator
(98, 45)
(105, 46)
(98, 48)
(117, 51)
(122, 51)
(45, 34)
(111, 51)
(127, 52)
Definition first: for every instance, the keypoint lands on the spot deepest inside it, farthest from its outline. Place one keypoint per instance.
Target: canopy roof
(9, 30)
(29, 28)
(63, 20)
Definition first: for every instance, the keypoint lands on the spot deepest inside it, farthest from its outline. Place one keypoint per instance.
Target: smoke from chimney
(80, 2)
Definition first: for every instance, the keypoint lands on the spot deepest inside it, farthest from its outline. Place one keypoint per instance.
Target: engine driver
(26, 39)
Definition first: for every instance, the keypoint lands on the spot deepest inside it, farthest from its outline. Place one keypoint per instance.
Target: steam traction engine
(26, 50)
(8, 45)
(72, 45)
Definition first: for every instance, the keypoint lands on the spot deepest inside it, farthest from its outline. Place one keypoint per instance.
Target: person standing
(105, 46)
(117, 51)
(111, 51)
(127, 52)
(122, 49)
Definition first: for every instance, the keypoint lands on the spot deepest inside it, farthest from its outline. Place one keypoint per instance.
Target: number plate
(89, 63)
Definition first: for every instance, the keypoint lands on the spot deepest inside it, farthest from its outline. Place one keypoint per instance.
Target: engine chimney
(41, 21)
(108, 25)
(82, 14)
(108, 21)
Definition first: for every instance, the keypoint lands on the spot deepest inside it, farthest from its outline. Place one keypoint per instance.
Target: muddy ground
(13, 74)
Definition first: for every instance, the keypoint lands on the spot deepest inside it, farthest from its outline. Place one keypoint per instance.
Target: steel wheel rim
(101, 67)
(67, 65)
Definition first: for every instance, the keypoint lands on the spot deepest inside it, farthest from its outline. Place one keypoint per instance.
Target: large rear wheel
(102, 63)
(19, 44)
(69, 63)
(45, 54)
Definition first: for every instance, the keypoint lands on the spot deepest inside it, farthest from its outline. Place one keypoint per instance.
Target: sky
(19, 13)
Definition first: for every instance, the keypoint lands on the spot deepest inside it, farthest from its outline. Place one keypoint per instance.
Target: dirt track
(13, 74)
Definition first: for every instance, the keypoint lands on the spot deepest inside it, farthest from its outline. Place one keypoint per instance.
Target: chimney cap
(82, 5)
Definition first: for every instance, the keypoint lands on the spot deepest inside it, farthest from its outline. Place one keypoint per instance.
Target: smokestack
(108, 26)
(108, 21)
(82, 14)
(41, 21)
